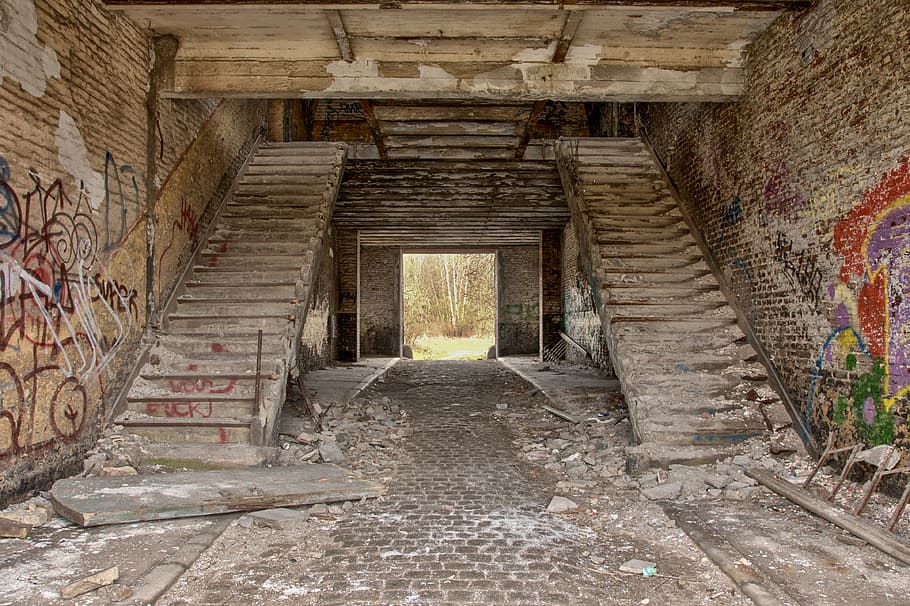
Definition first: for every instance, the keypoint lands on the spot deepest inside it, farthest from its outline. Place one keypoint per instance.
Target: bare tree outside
(449, 305)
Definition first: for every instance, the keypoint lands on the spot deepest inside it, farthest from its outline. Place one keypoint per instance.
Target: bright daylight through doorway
(449, 305)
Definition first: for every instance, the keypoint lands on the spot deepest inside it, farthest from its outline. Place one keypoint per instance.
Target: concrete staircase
(255, 272)
(688, 374)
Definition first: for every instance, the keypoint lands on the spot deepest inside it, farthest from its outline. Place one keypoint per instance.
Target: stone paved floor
(464, 522)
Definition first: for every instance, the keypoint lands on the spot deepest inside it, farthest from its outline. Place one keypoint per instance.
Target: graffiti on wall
(63, 316)
(801, 268)
(871, 342)
(185, 224)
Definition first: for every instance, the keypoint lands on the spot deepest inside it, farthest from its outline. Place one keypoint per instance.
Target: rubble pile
(364, 435)
(117, 452)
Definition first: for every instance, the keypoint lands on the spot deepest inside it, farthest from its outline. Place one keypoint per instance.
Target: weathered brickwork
(551, 287)
(380, 301)
(346, 260)
(580, 320)
(518, 288)
(72, 170)
(75, 166)
(193, 188)
(802, 191)
(318, 343)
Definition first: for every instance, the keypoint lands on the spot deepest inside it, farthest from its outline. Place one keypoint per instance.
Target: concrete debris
(113, 500)
(331, 452)
(561, 505)
(90, 583)
(279, 518)
(365, 434)
(125, 470)
(663, 492)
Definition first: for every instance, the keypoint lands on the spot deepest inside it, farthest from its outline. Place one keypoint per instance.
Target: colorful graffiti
(871, 343)
(63, 316)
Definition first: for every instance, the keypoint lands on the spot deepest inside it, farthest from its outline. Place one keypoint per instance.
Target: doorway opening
(449, 305)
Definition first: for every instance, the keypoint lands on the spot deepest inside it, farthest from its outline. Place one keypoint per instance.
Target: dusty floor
(465, 522)
(472, 461)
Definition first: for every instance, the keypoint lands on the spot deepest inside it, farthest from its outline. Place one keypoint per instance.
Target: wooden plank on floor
(96, 501)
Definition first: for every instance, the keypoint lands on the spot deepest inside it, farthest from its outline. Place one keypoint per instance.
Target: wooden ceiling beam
(751, 5)
(262, 78)
(367, 107)
(341, 35)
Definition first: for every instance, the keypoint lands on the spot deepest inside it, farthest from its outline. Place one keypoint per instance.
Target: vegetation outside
(449, 305)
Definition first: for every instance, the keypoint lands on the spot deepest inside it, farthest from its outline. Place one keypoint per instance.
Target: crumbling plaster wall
(518, 293)
(76, 166)
(318, 339)
(802, 191)
(581, 321)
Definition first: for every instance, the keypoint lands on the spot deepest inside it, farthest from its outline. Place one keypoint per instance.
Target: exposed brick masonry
(802, 191)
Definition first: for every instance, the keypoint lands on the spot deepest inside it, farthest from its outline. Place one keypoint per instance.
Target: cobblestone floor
(464, 522)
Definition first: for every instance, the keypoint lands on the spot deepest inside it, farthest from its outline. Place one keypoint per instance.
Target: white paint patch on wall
(73, 156)
(22, 58)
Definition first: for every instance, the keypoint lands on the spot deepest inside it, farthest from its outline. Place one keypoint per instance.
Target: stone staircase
(691, 381)
(255, 272)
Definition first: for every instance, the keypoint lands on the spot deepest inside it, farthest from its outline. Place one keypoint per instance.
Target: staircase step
(667, 279)
(183, 430)
(644, 236)
(232, 310)
(252, 212)
(316, 199)
(218, 348)
(663, 294)
(676, 250)
(280, 189)
(262, 167)
(200, 388)
(248, 234)
(305, 174)
(258, 247)
(233, 326)
(688, 312)
(209, 262)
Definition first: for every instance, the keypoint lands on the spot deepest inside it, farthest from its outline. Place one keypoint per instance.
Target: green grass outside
(446, 348)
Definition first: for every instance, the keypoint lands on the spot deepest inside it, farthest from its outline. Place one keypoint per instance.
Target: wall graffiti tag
(801, 269)
(872, 337)
(63, 316)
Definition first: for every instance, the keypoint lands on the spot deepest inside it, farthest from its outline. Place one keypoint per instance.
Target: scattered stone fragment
(90, 583)
(742, 460)
(11, 529)
(561, 504)
(279, 518)
(669, 490)
(28, 517)
(125, 470)
(331, 452)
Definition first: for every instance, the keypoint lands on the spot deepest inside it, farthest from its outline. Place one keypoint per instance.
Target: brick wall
(318, 342)
(518, 287)
(76, 163)
(346, 260)
(580, 320)
(802, 191)
(551, 287)
(216, 139)
(380, 301)
(73, 150)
